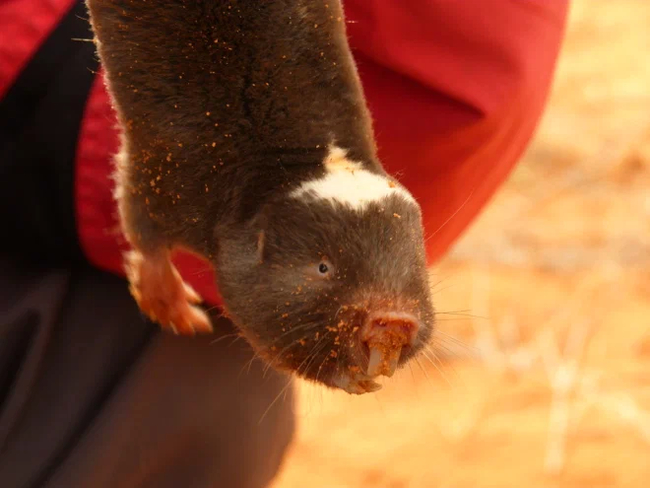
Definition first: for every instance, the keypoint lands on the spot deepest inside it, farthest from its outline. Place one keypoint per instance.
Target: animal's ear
(240, 247)
(260, 246)
(258, 227)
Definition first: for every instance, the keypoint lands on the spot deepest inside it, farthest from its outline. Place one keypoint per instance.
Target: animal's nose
(386, 334)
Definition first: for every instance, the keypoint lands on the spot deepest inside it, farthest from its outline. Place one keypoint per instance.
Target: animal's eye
(322, 269)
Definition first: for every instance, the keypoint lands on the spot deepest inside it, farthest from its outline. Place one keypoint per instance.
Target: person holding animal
(284, 172)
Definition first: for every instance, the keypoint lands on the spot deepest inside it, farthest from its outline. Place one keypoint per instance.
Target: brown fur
(225, 107)
(212, 94)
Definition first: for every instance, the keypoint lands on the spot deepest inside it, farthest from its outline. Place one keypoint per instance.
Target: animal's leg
(154, 281)
(162, 294)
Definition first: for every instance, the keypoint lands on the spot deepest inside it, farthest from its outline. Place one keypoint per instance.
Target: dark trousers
(91, 394)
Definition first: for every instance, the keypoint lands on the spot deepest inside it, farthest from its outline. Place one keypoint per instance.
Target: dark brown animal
(247, 140)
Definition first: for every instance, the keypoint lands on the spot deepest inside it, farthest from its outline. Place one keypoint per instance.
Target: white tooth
(347, 385)
(342, 382)
(392, 365)
(374, 362)
(370, 386)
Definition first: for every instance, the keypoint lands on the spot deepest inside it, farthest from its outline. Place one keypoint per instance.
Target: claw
(191, 295)
(163, 296)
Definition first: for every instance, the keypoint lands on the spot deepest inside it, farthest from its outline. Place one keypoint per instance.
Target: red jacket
(456, 89)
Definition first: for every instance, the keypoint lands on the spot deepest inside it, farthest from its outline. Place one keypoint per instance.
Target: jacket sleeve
(24, 25)
(456, 90)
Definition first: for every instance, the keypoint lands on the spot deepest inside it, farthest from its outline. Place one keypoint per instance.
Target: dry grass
(553, 387)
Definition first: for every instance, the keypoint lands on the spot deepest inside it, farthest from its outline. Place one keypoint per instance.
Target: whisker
(227, 336)
(307, 325)
(444, 348)
(320, 367)
(425, 353)
(313, 353)
(212, 309)
(288, 346)
(201, 271)
(415, 383)
(442, 364)
(249, 364)
(239, 337)
(441, 338)
(439, 282)
(290, 382)
(275, 359)
(462, 313)
(451, 217)
(452, 319)
(440, 290)
(424, 370)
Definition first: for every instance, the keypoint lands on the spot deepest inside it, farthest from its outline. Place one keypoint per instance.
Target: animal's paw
(163, 296)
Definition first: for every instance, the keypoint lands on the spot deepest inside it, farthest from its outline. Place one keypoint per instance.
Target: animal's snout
(385, 336)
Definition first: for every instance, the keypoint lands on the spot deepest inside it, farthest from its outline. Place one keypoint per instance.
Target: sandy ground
(548, 380)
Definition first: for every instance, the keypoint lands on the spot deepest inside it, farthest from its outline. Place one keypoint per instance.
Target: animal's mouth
(357, 353)
(358, 381)
(386, 340)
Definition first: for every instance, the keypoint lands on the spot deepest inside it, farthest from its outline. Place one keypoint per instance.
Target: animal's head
(329, 280)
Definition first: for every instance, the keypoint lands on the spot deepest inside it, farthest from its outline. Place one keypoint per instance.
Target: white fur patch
(347, 183)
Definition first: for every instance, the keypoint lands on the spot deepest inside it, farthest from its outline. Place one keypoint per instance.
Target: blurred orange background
(540, 373)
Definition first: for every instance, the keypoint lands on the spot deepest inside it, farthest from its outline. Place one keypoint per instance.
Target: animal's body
(247, 140)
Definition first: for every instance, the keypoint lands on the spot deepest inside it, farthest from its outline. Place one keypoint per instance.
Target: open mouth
(380, 359)
(356, 356)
